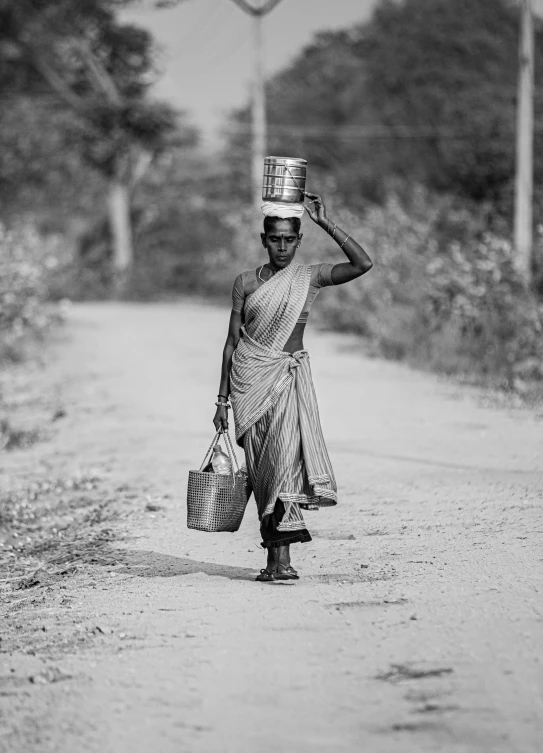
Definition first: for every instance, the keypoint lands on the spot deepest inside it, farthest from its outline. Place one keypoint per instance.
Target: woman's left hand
(318, 210)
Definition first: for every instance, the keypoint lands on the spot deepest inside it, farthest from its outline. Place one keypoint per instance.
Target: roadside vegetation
(27, 264)
(407, 122)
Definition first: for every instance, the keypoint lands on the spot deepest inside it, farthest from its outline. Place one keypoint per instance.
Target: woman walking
(266, 374)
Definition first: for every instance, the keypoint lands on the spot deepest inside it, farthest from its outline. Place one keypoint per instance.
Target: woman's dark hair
(270, 222)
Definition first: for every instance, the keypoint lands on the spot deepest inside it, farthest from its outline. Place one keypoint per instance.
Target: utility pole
(258, 100)
(525, 142)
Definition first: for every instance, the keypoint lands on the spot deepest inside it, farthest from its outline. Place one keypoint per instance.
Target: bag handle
(229, 449)
(211, 448)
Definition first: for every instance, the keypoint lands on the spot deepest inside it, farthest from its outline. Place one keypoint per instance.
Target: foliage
(178, 225)
(443, 294)
(425, 90)
(414, 111)
(80, 79)
(42, 170)
(78, 58)
(26, 265)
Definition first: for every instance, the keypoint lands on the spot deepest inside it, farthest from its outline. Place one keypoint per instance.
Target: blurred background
(128, 132)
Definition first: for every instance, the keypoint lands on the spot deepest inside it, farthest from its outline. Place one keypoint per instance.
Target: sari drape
(275, 406)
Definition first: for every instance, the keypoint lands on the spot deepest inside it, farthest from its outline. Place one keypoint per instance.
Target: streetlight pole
(258, 112)
(258, 103)
(525, 142)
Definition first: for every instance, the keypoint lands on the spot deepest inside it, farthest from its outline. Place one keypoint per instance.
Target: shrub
(443, 294)
(26, 265)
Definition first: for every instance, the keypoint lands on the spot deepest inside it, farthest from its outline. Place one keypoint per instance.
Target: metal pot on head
(284, 179)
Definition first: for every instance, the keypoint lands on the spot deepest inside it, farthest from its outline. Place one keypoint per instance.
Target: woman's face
(281, 243)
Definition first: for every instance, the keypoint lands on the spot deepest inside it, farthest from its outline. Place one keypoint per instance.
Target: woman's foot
(279, 563)
(285, 572)
(268, 574)
(265, 576)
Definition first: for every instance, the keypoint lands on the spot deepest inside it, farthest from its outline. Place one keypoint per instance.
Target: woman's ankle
(272, 557)
(278, 555)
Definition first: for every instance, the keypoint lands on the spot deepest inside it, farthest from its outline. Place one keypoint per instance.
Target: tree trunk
(121, 231)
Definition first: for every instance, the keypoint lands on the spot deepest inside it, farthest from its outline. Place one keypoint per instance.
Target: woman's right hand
(221, 418)
(317, 212)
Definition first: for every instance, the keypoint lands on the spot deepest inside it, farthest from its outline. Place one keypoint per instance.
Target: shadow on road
(148, 564)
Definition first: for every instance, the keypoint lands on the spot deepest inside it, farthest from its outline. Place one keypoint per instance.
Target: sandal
(285, 572)
(266, 576)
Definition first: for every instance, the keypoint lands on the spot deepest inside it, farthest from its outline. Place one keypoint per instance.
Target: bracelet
(333, 233)
(345, 241)
(225, 396)
(223, 405)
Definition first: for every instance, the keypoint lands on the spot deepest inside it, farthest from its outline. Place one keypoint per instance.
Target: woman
(266, 373)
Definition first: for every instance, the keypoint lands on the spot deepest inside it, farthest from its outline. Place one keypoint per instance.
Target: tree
(426, 90)
(100, 70)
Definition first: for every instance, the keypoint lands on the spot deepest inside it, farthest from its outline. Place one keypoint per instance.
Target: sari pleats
(275, 407)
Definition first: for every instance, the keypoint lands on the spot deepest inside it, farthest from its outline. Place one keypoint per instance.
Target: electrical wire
(196, 46)
(200, 23)
(363, 132)
(235, 48)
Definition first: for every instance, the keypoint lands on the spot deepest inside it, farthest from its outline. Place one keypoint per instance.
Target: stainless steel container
(284, 179)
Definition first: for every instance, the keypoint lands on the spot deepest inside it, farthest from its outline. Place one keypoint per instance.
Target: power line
(200, 25)
(367, 132)
(199, 32)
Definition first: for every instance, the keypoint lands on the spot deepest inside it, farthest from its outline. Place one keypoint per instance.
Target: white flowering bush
(26, 265)
(443, 294)
(457, 306)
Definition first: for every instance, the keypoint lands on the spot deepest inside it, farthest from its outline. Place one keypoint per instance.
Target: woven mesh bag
(217, 502)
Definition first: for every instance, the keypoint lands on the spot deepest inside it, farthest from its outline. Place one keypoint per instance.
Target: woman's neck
(273, 269)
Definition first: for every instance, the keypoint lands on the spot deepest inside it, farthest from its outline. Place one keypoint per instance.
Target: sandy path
(430, 564)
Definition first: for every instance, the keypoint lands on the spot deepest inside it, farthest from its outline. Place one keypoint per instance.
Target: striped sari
(276, 413)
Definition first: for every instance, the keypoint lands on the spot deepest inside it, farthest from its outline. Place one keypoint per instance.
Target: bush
(443, 294)
(478, 300)
(26, 265)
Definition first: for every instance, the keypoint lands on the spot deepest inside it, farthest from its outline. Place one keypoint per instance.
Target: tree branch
(142, 162)
(257, 11)
(57, 83)
(269, 6)
(246, 7)
(100, 74)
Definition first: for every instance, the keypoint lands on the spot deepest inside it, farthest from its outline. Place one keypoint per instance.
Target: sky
(206, 52)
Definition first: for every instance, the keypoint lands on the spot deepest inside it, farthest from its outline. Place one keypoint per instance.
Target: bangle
(333, 233)
(345, 241)
(225, 396)
(223, 405)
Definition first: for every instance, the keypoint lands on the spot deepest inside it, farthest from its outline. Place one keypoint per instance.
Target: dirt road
(417, 624)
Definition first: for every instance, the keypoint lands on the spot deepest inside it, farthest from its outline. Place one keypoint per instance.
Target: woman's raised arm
(359, 262)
